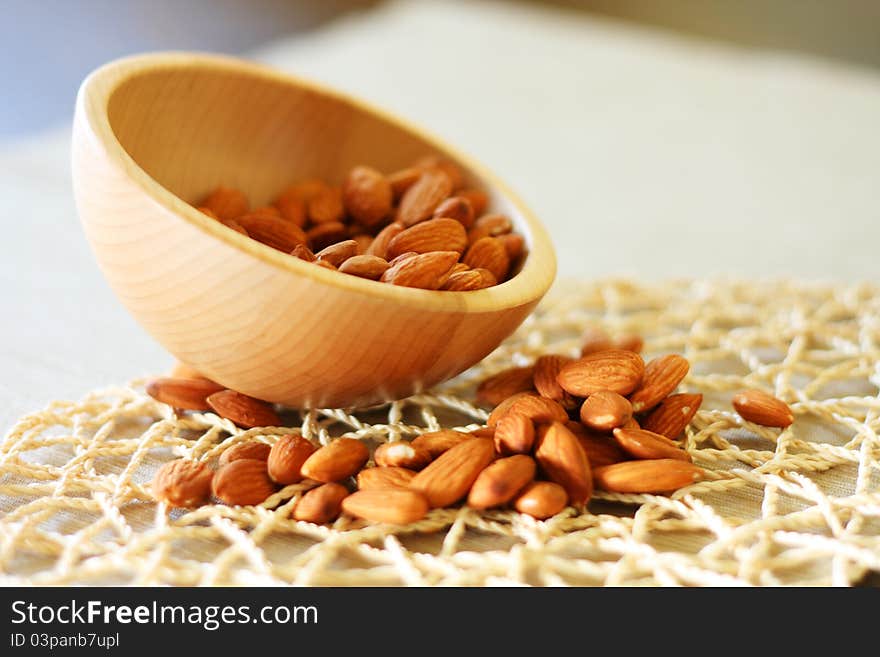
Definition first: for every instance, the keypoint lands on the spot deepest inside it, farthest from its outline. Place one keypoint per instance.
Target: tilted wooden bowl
(155, 133)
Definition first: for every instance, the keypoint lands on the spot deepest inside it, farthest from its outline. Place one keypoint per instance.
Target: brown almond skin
(547, 369)
(242, 483)
(605, 410)
(286, 459)
(363, 242)
(226, 202)
(272, 231)
(445, 165)
(647, 476)
(336, 460)
(367, 196)
(595, 339)
(292, 206)
(613, 369)
(326, 206)
(501, 481)
(403, 454)
(186, 394)
(535, 407)
(322, 504)
(432, 235)
(762, 408)
(365, 266)
(541, 499)
(251, 449)
(673, 414)
(647, 445)
(488, 253)
(384, 477)
(183, 483)
(515, 245)
(630, 342)
(395, 506)
(427, 271)
(448, 478)
(562, 458)
(437, 442)
(601, 449)
(421, 199)
(379, 246)
(338, 253)
(514, 434)
(402, 180)
(479, 200)
(490, 225)
(303, 252)
(472, 279)
(506, 383)
(458, 208)
(662, 376)
(244, 411)
(323, 235)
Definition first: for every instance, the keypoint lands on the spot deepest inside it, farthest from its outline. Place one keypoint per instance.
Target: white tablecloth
(643, 152)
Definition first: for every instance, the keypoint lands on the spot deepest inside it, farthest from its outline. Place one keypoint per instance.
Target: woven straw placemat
(799, 506)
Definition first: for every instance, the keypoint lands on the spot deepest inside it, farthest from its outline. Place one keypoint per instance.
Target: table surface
(644, 153)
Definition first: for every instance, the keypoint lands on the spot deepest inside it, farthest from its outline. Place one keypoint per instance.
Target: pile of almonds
(558, 428)
(418, 227)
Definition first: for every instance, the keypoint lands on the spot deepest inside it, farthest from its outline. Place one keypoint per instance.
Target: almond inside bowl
(155, 133)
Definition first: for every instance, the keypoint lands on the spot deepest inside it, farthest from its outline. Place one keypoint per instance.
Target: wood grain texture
(154, 133)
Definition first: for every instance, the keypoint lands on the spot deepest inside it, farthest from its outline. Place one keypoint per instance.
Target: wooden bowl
(155, 133)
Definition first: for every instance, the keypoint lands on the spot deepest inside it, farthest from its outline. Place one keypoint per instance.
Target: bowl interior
(259, 132)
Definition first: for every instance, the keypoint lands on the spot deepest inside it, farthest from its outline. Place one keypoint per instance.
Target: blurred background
(50, 45)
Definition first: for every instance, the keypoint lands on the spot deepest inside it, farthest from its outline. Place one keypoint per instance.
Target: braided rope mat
(794, 507)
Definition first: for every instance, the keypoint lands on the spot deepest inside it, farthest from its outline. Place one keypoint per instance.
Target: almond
(501, 481)
(630, 342)
(365, 266)
(226, 203)
(539, 409)
(403, 256)
(605, 410)
(459, 267)
(402, 454)
(186, 394)
(595, 339)
(183, 483)
(325, 264)
(563, 460)
(338, 253)
(514, 434)
(515, 245)
(490, 225)
(601, 449)
(363, 243)
(292, 206)
(286, 459)
(479, 200)
(662, 376)
(391, 505)
(443, 164)
(472, 279)
(402, 180)
(209, 212)
(427, 271)
(322, 235)
(384, 477)
(648, 445)
(322, 504)
(762, 408)
(541, 499)
(379, 247)
(673, 414)
(272, 231)
(613, 369)
(506, 383)
(367, 196)
(326, 206)
(458, 208)
(488, 253)
(244, 411)
(545, 379)
(422, 198)
(483, 432)
(249, 449)
(437, 442)
(336, 460)
(448, 478)
(242, 483)
(651, 476)
(431, 235)
(234, 225)
(303, 252)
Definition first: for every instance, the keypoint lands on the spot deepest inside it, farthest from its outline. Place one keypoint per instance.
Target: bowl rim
(532, 281)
